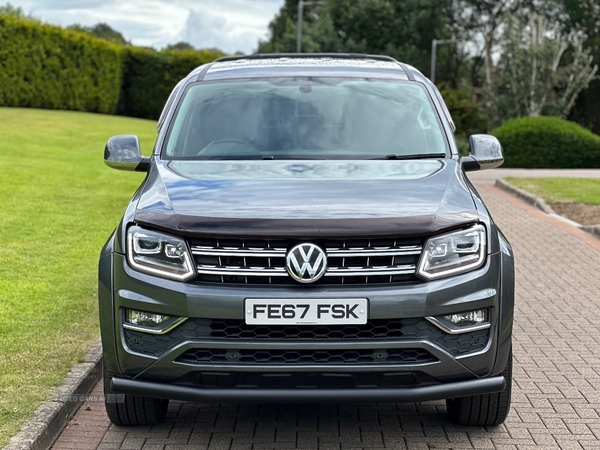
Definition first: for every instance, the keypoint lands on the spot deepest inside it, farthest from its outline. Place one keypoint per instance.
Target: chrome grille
(351, 261)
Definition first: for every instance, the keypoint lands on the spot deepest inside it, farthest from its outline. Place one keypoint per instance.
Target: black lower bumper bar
(330, 395)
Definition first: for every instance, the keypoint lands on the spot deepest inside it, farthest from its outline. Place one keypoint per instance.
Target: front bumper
(159, 375)
(249, 395)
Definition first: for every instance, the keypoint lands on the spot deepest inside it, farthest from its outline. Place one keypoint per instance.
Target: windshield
(305, 118)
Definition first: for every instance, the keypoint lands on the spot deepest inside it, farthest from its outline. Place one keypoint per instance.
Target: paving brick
(107, 446)
(148, 446)
(151, 441)
(132, 443)
(114, 436)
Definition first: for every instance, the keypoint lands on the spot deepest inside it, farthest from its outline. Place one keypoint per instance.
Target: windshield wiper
(415, 156)
(250, 158)
(270, 157)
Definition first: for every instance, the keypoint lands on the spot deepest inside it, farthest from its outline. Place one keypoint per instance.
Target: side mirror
(486, 153)
(123, 153)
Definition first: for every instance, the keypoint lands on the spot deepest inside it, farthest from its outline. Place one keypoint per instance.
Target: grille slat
(239, 252)
(351, 261)
(368, 271)
(242, 271)
(280, 253)
(281, 272)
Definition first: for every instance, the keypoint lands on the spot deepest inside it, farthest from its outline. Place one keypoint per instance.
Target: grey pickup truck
(306, 233)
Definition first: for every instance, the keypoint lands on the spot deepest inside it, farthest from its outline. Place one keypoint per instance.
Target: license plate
(306, 312)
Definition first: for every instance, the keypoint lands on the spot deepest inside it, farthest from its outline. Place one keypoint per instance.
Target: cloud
(230, 25)
(225, 30)
(70, 4)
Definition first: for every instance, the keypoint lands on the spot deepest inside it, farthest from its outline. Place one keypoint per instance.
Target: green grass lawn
(555, 190)
(59, 203)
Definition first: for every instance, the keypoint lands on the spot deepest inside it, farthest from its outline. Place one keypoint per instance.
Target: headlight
(159, 254)
(453, 253)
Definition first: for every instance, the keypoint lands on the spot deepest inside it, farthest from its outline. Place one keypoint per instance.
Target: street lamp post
(434, 44)
(301, 5)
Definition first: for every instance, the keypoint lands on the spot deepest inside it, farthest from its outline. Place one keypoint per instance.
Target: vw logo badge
(306, 263)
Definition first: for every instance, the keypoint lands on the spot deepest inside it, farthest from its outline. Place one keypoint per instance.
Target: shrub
(150, 76)
(44, 66)
(548, 142)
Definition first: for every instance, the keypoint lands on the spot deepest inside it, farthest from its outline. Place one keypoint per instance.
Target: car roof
(305, 64)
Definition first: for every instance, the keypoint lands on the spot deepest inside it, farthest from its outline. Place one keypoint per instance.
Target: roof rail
(306, 55)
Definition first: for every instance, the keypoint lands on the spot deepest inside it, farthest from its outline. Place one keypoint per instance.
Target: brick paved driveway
(556, 397)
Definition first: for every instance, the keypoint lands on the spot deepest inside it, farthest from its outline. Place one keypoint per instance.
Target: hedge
(548, 143)
(150, 76)
(44, 66)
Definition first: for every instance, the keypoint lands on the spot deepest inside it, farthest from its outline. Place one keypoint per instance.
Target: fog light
(468, 319)
(144, 319)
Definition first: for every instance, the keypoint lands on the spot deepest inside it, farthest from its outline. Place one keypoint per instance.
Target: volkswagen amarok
(305, 232)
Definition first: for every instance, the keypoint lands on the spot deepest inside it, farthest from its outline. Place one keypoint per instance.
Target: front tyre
(483, 410)
(132, 409)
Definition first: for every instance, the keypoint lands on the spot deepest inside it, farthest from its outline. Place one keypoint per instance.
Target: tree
(402, 29)
(279, 26)
(318, 34)
(541, 69)
(179, 46)
(102, 31)
(584, 15)
(479, 22)
(15, 11)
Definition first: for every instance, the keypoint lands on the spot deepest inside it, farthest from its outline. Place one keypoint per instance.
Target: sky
(230, 25)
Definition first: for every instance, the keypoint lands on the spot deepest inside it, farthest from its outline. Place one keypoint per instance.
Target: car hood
(306, 198)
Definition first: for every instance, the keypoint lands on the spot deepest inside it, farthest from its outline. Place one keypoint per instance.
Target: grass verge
(561, 190)
(59, 204)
